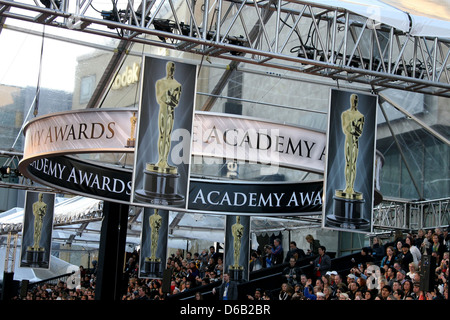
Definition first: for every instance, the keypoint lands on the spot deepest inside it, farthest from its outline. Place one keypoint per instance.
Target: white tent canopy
(57, 267)
(78, 220)
(418, 17)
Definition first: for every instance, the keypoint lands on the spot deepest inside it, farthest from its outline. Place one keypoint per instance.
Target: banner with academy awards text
(37, 230)
(154, 237)
(163, 143)
(350, 161)
(237, 247)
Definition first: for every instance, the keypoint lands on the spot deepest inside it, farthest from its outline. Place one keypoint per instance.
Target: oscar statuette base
(130, 143)
(236, 273)
(348, 214)
(160, 188)
(35, 258)
(152, 268)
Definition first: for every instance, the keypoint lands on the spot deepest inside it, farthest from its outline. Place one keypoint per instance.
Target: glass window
(87, 87)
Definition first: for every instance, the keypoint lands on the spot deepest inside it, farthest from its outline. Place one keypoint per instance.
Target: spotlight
(308, 53)
(114, 15)
(419, 71)
(162, 25)
(111, 15)
(186, 30)
(238, 41)
(48, 3)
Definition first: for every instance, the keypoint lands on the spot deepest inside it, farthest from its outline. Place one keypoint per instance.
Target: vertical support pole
(111, 251)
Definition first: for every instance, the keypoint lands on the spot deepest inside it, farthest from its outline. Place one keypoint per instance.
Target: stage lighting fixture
(162, 25)
(238, 41)
(48, 3)
(5, 170)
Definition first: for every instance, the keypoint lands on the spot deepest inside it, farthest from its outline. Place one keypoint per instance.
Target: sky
(20, 60)
(20, 52)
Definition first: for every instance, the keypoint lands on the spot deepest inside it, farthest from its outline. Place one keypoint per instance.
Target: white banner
(79, 131)
(240, 138)
(351, 155)
(214, 135)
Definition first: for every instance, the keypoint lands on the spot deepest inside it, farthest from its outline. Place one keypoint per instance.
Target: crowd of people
(382, 272)
(187, 273)
(388, 271)
(79, 286)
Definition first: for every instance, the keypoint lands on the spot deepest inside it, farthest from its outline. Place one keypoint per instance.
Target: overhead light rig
(297, 36)
(170, 26)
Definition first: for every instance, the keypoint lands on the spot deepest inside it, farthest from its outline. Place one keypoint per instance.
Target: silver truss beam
(317, 40)
(409, 215)
(10, 255)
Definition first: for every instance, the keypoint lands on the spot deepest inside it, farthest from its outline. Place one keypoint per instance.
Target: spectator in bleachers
(258, 295)
(419, 238)
(427, 242)
(255, 262)
(322, 263)
(310, 292)
(412, 270)
(415, 251)
(406, 257)
(437, 248)
(291, 274)
(378, 251)
(219, 265)
(314, 244)
(365, 256)
(398, 249)
(401, 276)
(352, 288)
(267, 257)
(328, 293)
(286, 292)
(447, 238)
(385, 292)
(406, 286)
(294, 252)
(277, 252)
(228, 289)
(389, 259)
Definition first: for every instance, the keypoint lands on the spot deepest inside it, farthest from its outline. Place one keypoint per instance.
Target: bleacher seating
(270, 278)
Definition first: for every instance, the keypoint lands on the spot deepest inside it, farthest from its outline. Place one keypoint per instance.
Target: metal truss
(10, 177)
(10, 254)
(396, 214)
(291, 35)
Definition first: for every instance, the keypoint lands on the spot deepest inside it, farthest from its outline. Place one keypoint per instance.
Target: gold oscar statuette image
(160, 178)
(155, 221)
(352, 126)
(35, 253)
(237, 230)
(131, 141)
(152, 264)
(348, 203)
(39, 211)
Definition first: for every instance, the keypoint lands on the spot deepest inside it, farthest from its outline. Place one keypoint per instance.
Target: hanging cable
(38, 87)
(36, 96)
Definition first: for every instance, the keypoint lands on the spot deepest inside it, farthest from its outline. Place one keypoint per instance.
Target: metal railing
(50, 281)
(407, 215)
